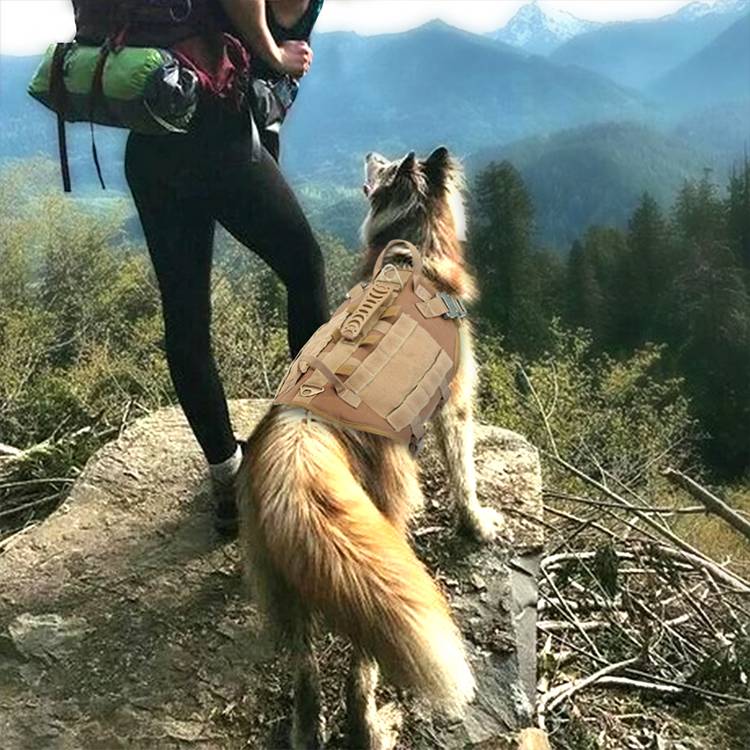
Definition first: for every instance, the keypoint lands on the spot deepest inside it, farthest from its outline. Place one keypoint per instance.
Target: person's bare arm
(249, 18)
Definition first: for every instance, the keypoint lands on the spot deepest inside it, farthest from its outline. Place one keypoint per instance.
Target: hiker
(184, 183)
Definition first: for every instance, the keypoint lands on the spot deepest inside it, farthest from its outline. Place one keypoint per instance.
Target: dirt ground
(124, 622)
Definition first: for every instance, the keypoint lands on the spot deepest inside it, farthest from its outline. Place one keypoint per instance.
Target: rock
(46, 637)
(124, 623)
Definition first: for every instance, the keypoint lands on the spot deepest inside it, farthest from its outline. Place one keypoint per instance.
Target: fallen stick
(711, 502)
(553, 698)
(699, 561)
(555, 626)
(664, 510)
(640, 684)
(28, 506)
(9, 450)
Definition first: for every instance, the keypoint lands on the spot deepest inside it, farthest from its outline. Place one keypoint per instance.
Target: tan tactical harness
(385, 360)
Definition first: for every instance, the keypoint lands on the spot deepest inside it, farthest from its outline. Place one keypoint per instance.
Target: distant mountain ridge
(702, 8)
(596, 174)
(540, 29)
(718, 74)
(561, 124)
(436, 84)
(638, 53)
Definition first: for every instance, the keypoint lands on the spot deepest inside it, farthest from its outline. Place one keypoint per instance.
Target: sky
(28, 26)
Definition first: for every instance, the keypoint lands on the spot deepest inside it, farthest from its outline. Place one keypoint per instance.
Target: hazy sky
(28, 26)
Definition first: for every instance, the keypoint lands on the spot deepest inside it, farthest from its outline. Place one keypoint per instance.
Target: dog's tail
(314, 525)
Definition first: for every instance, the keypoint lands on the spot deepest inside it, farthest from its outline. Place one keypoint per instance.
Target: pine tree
(738, 214)
(500, 250)
(593, 282)
(710, 338)
(646, 275)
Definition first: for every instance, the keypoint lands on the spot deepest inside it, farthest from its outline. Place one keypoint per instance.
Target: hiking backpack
(140, 65)
(384, 362)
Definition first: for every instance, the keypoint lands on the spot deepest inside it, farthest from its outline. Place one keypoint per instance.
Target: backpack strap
(96, 96)
(60, 100)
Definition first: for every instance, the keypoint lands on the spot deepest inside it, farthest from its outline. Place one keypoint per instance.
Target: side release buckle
(454, 306)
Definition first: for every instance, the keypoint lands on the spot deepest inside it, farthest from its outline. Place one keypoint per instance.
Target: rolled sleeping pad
(144, 89)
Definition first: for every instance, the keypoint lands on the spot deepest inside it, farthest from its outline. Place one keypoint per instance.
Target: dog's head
(410, 197)
(421, 201)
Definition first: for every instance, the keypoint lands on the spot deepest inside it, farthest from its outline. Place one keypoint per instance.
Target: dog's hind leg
(367, 727)
(307, 723)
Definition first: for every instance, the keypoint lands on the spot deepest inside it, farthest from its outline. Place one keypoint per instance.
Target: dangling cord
(62, 142)
(95, 154)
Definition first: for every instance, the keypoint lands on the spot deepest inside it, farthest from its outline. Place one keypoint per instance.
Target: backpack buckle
(454, 306)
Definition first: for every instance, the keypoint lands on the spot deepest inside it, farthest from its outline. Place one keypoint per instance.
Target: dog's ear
(407, 165)
(437, 165)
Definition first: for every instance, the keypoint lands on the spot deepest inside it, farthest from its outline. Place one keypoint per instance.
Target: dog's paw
(390, 720)
(486, 524)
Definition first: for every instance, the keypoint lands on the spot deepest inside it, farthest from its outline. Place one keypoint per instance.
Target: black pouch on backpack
(271, 100)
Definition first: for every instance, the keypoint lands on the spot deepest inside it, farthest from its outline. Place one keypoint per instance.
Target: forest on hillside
(677, 284)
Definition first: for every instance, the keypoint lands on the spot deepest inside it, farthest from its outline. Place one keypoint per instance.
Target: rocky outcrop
(124, 623)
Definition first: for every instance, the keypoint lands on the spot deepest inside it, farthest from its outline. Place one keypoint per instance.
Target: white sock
(226, 471)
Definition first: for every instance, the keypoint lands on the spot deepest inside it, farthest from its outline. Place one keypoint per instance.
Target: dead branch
(689, 552)
(710, 501)
(9, 450)
(563, 692)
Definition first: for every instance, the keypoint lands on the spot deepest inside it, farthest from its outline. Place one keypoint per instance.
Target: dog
(324, 509)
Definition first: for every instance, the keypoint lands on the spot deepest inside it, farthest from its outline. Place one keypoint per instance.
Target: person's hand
(295, 58)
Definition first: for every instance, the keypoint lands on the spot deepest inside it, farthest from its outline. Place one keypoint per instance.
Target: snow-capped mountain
(540, 29)
(701, 8)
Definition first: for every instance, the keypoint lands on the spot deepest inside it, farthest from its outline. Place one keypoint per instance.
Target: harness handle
(416, 260)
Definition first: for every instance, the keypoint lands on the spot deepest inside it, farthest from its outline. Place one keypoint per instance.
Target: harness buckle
(454, 306)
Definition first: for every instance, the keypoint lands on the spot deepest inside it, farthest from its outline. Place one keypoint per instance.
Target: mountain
(702, 8)
(719, 73)
(596, 174)
(539, 29)
(723, 129)
(638, 53)
(434, 84)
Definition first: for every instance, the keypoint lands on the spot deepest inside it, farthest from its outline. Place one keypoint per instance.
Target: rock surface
(124, 622)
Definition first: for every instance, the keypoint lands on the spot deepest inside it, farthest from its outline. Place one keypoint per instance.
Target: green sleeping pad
(144, 89)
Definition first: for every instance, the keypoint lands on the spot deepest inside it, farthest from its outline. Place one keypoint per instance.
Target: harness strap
(442, 304)
(345, 393)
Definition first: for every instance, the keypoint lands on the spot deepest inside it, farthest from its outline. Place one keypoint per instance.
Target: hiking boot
(224, 492)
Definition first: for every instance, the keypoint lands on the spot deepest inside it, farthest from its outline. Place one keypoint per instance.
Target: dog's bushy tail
(318, 530)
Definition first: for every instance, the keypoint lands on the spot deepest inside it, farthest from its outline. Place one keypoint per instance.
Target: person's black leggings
(182, 185)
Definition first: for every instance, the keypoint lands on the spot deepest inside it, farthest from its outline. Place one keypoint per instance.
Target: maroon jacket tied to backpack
(195, 30)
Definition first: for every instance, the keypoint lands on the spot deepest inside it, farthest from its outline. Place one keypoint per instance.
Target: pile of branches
(633, 615)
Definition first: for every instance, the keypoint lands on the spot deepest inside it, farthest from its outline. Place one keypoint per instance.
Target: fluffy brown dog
(324, 509)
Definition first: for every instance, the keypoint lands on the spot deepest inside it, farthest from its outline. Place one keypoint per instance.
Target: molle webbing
(385, 360)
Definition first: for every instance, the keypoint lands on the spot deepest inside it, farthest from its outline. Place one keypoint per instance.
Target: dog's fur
(324, 509)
